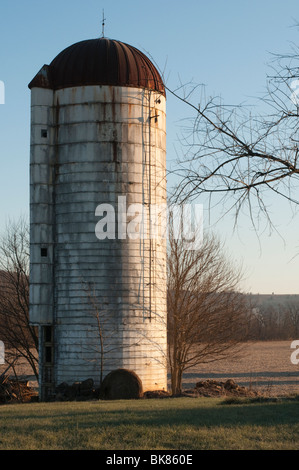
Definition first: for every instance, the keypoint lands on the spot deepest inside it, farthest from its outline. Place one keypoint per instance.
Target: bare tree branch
(15, 328)
(206, 313)
(236, 157)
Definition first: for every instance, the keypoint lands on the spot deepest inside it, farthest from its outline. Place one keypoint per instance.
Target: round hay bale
(121, 384)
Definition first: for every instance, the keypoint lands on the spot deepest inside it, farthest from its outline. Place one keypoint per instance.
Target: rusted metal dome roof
(99, 62)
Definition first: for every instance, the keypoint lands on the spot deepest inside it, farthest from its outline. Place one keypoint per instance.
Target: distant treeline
(273, 317)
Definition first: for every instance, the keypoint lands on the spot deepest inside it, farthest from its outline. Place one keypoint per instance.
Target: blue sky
(225, 45)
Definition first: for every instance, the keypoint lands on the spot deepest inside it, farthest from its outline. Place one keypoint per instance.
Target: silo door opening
(47, 352)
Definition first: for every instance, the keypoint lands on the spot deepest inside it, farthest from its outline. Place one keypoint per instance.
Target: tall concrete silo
(98, 141)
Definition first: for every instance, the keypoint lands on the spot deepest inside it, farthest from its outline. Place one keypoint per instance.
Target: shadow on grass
(220, 415)
(192, 414)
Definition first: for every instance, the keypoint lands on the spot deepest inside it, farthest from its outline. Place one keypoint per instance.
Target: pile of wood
(77, 391)
(213, 388)
(14, 390)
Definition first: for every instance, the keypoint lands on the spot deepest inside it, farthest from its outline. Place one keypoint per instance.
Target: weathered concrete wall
(41, 206)
(103, 142)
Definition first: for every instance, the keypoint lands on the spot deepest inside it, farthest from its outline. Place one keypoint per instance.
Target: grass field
(153, 424)
(172, 423)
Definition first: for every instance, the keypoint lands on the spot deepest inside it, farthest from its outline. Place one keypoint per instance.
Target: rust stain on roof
(99, 62)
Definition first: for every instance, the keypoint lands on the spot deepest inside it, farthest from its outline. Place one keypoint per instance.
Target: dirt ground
(262, 366)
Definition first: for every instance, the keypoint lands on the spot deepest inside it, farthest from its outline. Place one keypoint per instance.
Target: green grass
(165, 424)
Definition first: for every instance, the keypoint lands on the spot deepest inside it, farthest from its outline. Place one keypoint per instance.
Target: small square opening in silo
(48, 354)
(44, 252)
(48, 334)
(44, 133)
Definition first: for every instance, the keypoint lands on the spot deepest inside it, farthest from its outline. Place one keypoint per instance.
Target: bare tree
(107, 329)
(237, 157)
(206, 313)
(16, 331)
(292, 313)
(100, 315)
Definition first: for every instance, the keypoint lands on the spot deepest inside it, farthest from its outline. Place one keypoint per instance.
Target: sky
(225, 45)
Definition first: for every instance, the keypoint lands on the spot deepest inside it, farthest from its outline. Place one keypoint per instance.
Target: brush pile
(213, 388)
(15, 390)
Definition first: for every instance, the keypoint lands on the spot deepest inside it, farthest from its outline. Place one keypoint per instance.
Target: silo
(98, 153)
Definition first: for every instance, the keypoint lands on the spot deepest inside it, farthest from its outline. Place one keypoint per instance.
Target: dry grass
(265, 366)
